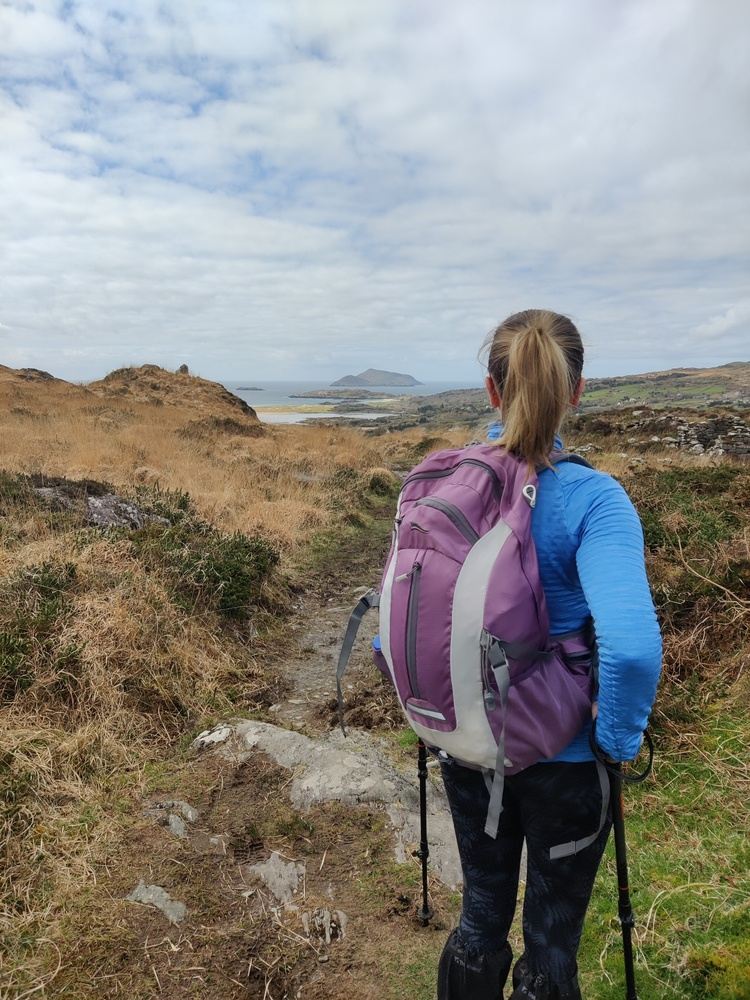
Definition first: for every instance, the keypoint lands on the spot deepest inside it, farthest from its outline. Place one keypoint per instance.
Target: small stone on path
(155, 895)
(177, 826)
(280, 877)
(219, 734)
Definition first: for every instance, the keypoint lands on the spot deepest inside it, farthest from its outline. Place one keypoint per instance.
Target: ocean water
(263, 394)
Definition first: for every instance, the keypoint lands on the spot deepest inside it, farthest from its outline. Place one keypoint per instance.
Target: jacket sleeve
(612, 572)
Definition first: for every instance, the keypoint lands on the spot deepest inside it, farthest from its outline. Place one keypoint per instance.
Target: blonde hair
(535, 359)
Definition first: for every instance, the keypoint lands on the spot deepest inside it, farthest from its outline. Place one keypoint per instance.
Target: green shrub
(32, 605)
(694, 499)
(384, 483)
(224, 573)
(173, 505)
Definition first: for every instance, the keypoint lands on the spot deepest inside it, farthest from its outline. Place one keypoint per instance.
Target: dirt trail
(311, 667)
(277, 860)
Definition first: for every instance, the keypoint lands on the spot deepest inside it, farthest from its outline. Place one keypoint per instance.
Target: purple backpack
(464, 630)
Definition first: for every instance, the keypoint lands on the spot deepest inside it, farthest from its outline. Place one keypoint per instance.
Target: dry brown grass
(281, 483)
(113, 674)
(124, 667)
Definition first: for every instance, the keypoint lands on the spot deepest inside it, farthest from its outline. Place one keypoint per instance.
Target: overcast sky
(303, 188)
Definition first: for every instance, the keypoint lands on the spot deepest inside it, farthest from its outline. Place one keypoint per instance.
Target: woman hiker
(589, 547)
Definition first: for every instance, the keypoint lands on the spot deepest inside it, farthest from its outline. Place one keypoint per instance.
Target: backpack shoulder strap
(370, 600)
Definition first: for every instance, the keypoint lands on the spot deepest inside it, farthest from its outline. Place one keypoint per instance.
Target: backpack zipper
(442, 473)
(457, 517)
(411, 629)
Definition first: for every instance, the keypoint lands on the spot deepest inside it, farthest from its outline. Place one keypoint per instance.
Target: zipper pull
(405, 576)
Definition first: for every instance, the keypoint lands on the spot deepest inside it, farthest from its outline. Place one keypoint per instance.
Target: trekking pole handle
(615, 767)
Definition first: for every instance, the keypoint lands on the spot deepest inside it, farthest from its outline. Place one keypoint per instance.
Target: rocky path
(328, 766)
(311, 666)
(281, 855)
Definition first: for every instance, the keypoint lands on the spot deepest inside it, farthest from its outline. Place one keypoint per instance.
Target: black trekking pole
(424, 913)
(624, 907)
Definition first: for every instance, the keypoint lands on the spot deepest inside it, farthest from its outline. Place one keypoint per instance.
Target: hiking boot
(538, 987)
(465, 974)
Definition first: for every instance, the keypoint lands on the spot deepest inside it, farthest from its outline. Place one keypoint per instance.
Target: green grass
(355, 547)
(689, 875)
(651, 393)
(689, 859)
(698, 496)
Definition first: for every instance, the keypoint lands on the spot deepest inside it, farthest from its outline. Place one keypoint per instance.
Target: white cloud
(294, 187)
(733, 323)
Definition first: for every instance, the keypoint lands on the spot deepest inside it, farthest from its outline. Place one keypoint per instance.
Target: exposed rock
(155, 895)
(188, 811)
(280, 877)
(36, 375)
(723, 434)
(210, 737)
(111, 511)
(325, 925)
(586, 449)
(101, 508)
(177, 826)
(353, 770)
(183, 370)
(159, 809)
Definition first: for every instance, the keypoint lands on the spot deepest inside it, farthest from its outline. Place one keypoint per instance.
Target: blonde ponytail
(535, 360)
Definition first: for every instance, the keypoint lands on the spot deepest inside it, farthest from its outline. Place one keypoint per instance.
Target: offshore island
(376, 377)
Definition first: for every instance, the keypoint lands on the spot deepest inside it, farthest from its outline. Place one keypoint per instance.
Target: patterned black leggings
(547, 804)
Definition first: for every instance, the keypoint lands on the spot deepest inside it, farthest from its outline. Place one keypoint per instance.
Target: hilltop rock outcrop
(157, 386)
(26, 379)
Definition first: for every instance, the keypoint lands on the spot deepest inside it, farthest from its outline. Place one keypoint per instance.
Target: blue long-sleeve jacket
(589, 544)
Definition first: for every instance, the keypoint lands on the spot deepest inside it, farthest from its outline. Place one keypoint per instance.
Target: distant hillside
(724, 384)
(152, 384)
(679, 388)
(374, 376)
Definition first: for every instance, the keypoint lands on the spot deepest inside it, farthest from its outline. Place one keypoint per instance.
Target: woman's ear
(578, 391)
(494, 396)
